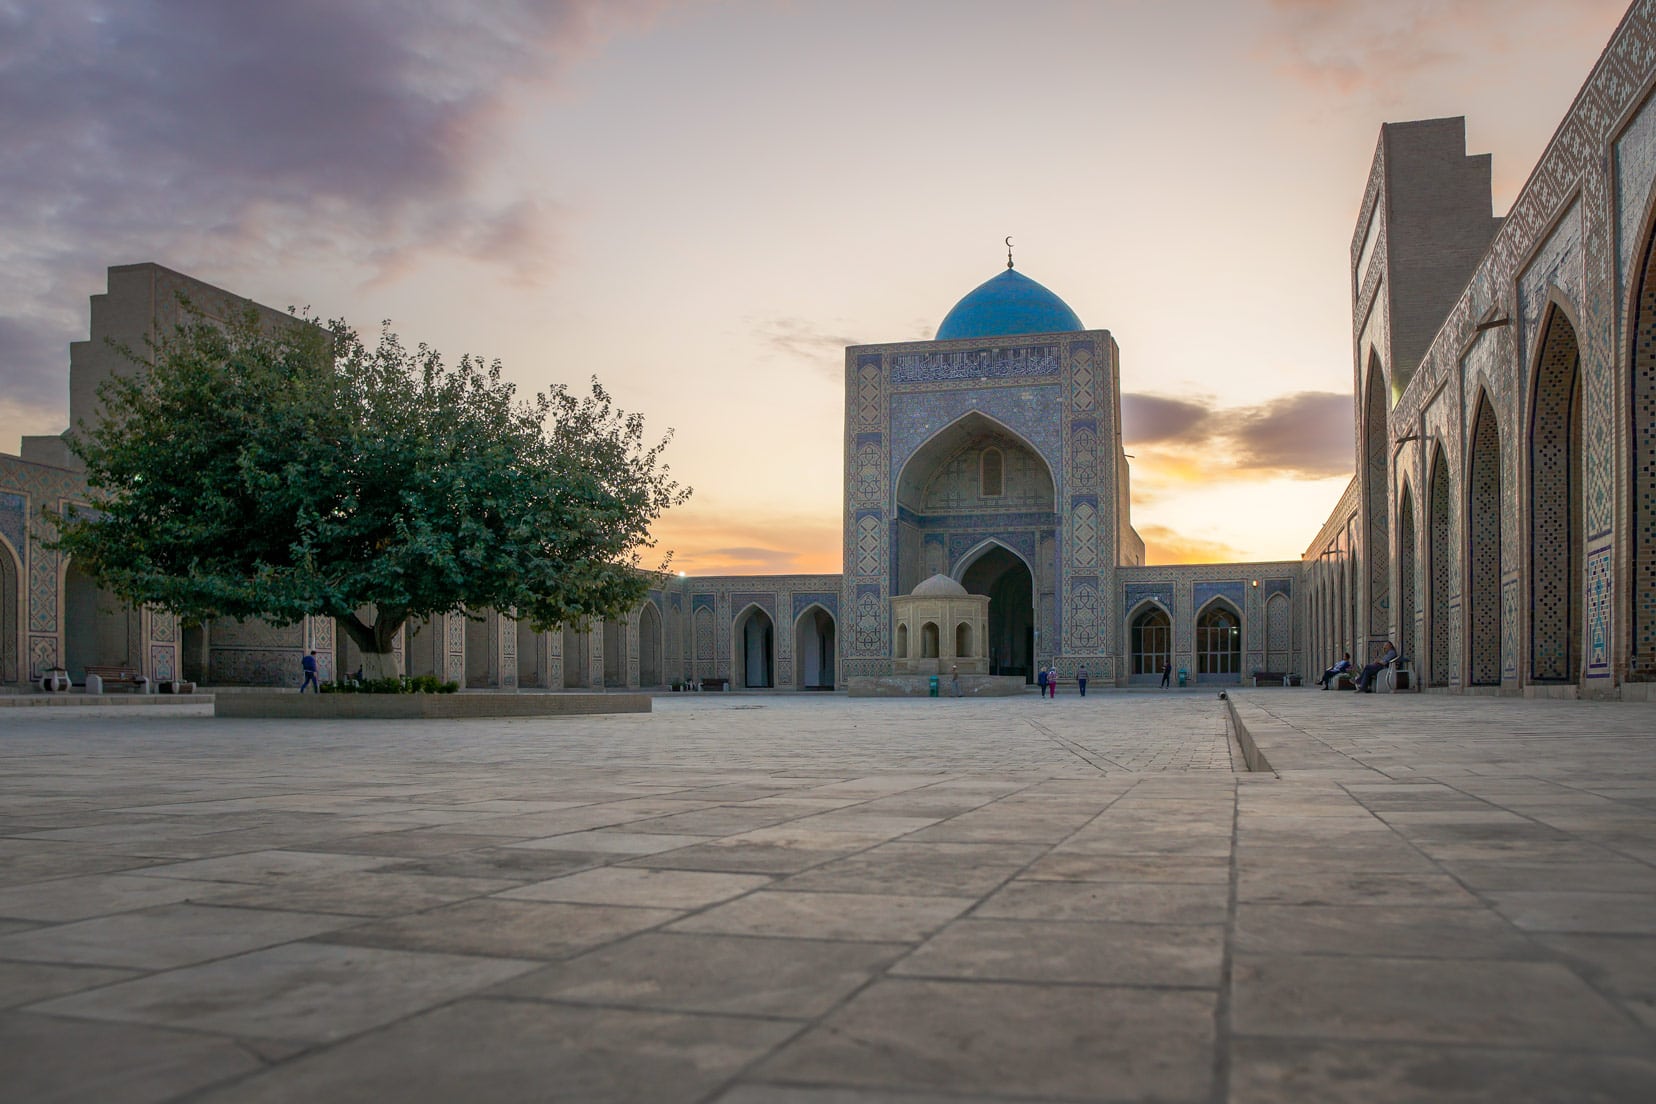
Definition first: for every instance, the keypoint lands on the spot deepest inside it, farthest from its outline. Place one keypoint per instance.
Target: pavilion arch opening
(650, 646)
(963, 639)
(615, 653)
(965, 476)
(1555, 506)
(1441, 569)
(531, 655)
(1407, 565)
(99, 630)
(1150, 631)
(11, 625)
(929, 646)
(902, 642)
(1219, 643)
(1483, 523)
(1377, 542)
(754, 642)
(1001, 574)
(814, 649)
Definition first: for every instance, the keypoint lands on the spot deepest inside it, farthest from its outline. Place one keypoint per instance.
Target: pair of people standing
(1047, 680)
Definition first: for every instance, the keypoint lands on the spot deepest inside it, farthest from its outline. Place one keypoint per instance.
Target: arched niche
(650, 645)
(1554, 456)
(814, 648)
(753, 647)
(1001, 574)
(1149, 639)
(1483, 561)
(1219, 642)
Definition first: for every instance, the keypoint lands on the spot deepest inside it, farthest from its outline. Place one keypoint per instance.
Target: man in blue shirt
(1339, 668)
(309, 665)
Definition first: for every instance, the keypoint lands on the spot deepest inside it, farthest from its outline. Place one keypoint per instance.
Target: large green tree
(278, 472)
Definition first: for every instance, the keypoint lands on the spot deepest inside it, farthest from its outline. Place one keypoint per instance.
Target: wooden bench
(714, 683)
(1275, 678)
(116, 675)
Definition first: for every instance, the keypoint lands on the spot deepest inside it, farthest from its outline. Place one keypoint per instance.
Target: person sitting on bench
(1365, 681)
(1339, 668)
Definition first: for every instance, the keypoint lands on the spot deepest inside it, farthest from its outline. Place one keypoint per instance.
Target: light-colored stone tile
(594, 1055)
(305, 992)
(99, 895)
(619, 885)
(46, 1058)
(507, 929)
(795, 978)
(1012, 1040)
(862, 916)
(1127, 902)
(1095, 953)
(164, 937)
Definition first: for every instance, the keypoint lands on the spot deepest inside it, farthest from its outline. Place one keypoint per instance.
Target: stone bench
(1275, 678)
(98, 677)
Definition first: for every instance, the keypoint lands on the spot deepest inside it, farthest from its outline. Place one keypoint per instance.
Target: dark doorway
(1005, 578)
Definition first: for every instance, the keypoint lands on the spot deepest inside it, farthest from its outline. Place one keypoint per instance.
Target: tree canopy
(279, 472)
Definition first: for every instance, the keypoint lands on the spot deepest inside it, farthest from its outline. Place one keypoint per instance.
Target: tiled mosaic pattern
(1555, 506)
(1483, 590)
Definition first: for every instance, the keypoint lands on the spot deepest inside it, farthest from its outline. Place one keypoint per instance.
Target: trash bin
(1183, 675)
(932, 682)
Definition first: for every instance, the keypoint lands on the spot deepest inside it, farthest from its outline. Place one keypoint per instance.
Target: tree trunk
(376, 642)
(379, 665)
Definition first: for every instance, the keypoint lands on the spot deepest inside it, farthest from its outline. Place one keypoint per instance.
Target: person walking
(1052, 681)
(1167, 674)
(954, 681)
(308, 664)
(1041, 681)
(1081, 679)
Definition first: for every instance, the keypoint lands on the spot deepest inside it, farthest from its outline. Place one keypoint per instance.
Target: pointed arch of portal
(995, 569)
(1376, 468)
(1219, 640)
(1483, 523)
(1554, 477)
(916, 471)
(1149, 632)
(815, 647)
(753, 649)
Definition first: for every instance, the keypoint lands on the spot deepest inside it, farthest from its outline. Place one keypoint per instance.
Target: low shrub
(419, 684)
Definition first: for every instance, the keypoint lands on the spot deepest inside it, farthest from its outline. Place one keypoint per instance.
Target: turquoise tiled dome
(1010, 303)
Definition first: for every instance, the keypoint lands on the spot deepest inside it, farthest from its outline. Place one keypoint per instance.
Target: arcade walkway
(803, 899)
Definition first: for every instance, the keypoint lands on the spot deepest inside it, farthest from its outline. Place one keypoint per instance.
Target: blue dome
(1010, 303)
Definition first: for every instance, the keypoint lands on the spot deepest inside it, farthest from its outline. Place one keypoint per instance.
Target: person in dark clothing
(308, 664)
(1339, 668)
(1041, 681)
(1365, 681)
(1081, 679)
(1167, 674)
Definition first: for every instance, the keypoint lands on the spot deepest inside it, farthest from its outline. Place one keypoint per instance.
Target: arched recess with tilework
(1557, 582)
(650, 645)
(1377, 537)
(1483, 545)
(1219, 642)
(576, 672)
(1408, 558)
(753, 649)
(814, 648)
(1440, 567)
(11, 621)
(615, 652)
(1150, 637)
(1641, 536)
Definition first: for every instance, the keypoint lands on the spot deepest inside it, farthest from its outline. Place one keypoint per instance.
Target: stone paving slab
(805, 899)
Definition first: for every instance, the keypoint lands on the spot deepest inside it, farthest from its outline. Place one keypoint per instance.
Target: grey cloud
(223, 138)
(32, 362)
(803, 340)
(1307, 434)
(1146, 419)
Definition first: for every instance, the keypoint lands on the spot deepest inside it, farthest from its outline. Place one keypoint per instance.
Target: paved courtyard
(811, 900)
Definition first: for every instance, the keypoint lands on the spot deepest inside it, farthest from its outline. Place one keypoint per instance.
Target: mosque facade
(1500, 525)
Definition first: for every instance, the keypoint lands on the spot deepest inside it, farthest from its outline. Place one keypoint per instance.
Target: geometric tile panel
(1484, 605)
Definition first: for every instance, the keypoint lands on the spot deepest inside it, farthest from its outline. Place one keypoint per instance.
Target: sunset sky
(702, 203)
